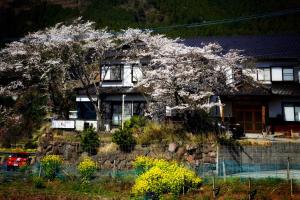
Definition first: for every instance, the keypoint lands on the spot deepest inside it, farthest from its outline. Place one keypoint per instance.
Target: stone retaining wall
(193, 155)
(68, 150)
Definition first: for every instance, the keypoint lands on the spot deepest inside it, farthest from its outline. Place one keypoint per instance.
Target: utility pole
(123, 105)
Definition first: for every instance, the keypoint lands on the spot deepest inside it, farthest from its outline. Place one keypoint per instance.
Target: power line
(229, 20)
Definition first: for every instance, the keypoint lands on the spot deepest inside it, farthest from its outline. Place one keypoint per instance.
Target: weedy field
(120, 188)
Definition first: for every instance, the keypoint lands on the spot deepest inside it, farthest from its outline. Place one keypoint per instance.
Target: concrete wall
(254, 158)
(79, 124)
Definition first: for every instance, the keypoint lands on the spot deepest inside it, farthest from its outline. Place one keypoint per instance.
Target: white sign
(68, 124)
(168, 111)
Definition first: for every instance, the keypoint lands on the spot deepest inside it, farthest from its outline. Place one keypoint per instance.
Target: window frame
(272, 67)
(282, 74)
(263, 69)
(121, 68)
(290, 104)
(132, 78)
(292, 73)
(137, 66)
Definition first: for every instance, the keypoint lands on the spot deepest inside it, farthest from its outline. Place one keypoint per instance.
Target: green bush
(31, 144)
(160, 176)
(198, 121)
(89, 141)
(51, 165)
(87, 168)
(136, 122)
(124, 137)
(38, 182)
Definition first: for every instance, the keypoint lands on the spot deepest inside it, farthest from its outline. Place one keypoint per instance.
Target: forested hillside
(21, 17)
(159, 13)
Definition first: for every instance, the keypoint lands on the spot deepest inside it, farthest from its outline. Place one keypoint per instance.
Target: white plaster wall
(84, 98)
(137, 73)
(79, 124)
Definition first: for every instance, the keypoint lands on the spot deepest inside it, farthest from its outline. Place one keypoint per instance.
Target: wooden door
(250, 119)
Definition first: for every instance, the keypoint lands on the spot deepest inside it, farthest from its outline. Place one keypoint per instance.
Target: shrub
(160, 176)
(152, 131)
(51, 165)
(136, 122)
(143, 163)
(157, 132)
(31, 145)
(89, 141)
(198, 121)
(124, 137)
(87, 168)
(38, 182)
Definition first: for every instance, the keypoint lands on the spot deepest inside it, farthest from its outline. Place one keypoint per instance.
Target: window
(229, 76)
(291, 112)
(288, 74)
(297, 113)
(138, 108)
(282, 74)
(117, 112)
(276, 74)
(136, 73)
(263, 74)
(86, 110)
(112, 73)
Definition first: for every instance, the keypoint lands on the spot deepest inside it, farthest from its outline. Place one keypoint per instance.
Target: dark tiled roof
(255, 46)
(276, 88)
(246, 89)
(286, 89)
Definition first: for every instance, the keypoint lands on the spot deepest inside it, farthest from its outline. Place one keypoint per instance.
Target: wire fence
(277, 160)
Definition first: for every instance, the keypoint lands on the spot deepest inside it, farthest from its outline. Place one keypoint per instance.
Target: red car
(17, 160)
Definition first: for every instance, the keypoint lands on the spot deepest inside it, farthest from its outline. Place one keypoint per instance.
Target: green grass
(119, 188)
(97, 189)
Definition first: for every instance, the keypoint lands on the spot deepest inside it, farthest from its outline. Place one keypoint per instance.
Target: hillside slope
(20, 17)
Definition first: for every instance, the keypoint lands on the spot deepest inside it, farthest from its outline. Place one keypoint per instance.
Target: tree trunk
(97, 107)
(99, 116)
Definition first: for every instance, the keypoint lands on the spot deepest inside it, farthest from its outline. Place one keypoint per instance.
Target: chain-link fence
(276, 160)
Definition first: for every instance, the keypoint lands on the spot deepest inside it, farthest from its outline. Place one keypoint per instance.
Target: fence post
(224, 170)
(217, 160)
(249, 187)
(40, 171)
(183, 186)
(114, 169)
(291, 187)
(288, 168)
(214, 188)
